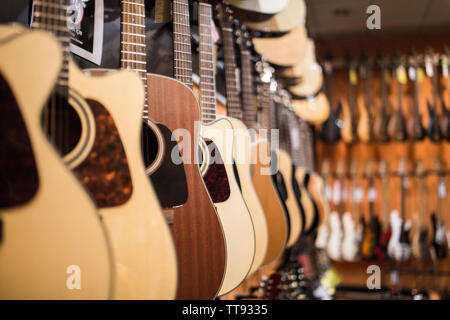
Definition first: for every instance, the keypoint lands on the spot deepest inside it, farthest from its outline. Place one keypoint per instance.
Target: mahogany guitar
(381, 119)
(42, 228)
(396, 124)
(263, 184)
(331, 132)
(433, 128)
(198, 230)
(415, 129)
(95, 123)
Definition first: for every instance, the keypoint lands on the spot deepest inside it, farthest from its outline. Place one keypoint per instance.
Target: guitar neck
(51, 16)
(383, 90)
(385, 187)
(206, 54)
(133, 53)
(232, 90)
(248, 99)
(182, 42)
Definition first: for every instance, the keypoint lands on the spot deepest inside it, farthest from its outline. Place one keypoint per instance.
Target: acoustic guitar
(101, 144)
(242, 152)
(445, 122)
(382, 118)
(397, 124)
(372, 228)
(433, 128)
(415, 129)
(323, 231)
(364, 127)
(348, 133)
(262, 182)
(420, 239)
(331, 131)
(42, 228)
(218, 173)
(385, 233)
(439, 239)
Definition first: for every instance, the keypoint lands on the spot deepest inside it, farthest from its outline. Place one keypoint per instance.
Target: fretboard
(207, 74)
(248, 99)
(51, 15)
(182, 42)
(233, 99)
(133, 54)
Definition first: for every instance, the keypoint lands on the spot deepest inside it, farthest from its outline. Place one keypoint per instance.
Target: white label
(372, 194)
(358, 195)
(442, 190)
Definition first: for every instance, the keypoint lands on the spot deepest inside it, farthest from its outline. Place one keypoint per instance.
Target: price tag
(353, 77)
(372, 194)
(442, 190)
(401, 75)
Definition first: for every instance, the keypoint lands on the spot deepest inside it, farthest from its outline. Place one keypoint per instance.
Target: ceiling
(331, 18)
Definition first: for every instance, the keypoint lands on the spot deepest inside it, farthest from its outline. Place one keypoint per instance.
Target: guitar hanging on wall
(380, 129)
(433, 129)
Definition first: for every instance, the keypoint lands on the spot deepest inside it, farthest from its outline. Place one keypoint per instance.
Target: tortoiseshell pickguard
(215, 177)
(19, 179)
(105, 172)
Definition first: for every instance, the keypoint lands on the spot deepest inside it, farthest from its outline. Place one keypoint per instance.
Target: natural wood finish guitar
(48, 230)
(364, 126)
(111, 168)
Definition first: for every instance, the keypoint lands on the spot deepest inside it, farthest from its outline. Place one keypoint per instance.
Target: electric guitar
(372, 228)
(42, 228)
(433, 129)
(385, 234)
(364, 128)
(331, 132)
(242, 152)
(416, 131)
(334, 246)
(349, 133)
(439, 230)
(99, 120)
(262, 182)
(396, 124)
(351, 241)
(399, 247)
(420, 240)
(382, 118)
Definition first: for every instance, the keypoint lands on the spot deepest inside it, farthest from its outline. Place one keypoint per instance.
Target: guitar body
(270, 201)
(397, 126)
(196, 227)
(371, 233)
(330, 132)
(133, 217)
(261, 6)
(350, 243)
(380, 127)
(348, 130)
(364, 128)
(234, 216)
(439, 237)
(433, 130)
(445, 123)
(399, 245)
(416, 131)
(304, 199)
(334, 246)
(285, 169)
(381, 249)
(43, 229)
(242, 156)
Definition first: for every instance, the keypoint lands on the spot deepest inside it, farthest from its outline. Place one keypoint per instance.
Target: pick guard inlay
(215, 177)
(105, 172)
(19, 180)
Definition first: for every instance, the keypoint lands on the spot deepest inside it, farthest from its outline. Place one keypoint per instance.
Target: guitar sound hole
(18, 173)
(61, 123)
(150, 145)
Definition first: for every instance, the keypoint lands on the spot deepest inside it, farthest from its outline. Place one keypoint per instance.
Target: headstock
(265, 71)
(431, 60)
(243, 38)
(224, 15)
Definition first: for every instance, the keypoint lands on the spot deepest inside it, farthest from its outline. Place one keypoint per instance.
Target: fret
(133, 34)
(134, 3)
(134, 52)
(134, 61)
(183, 60)
(134, 14)
(133, 24)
